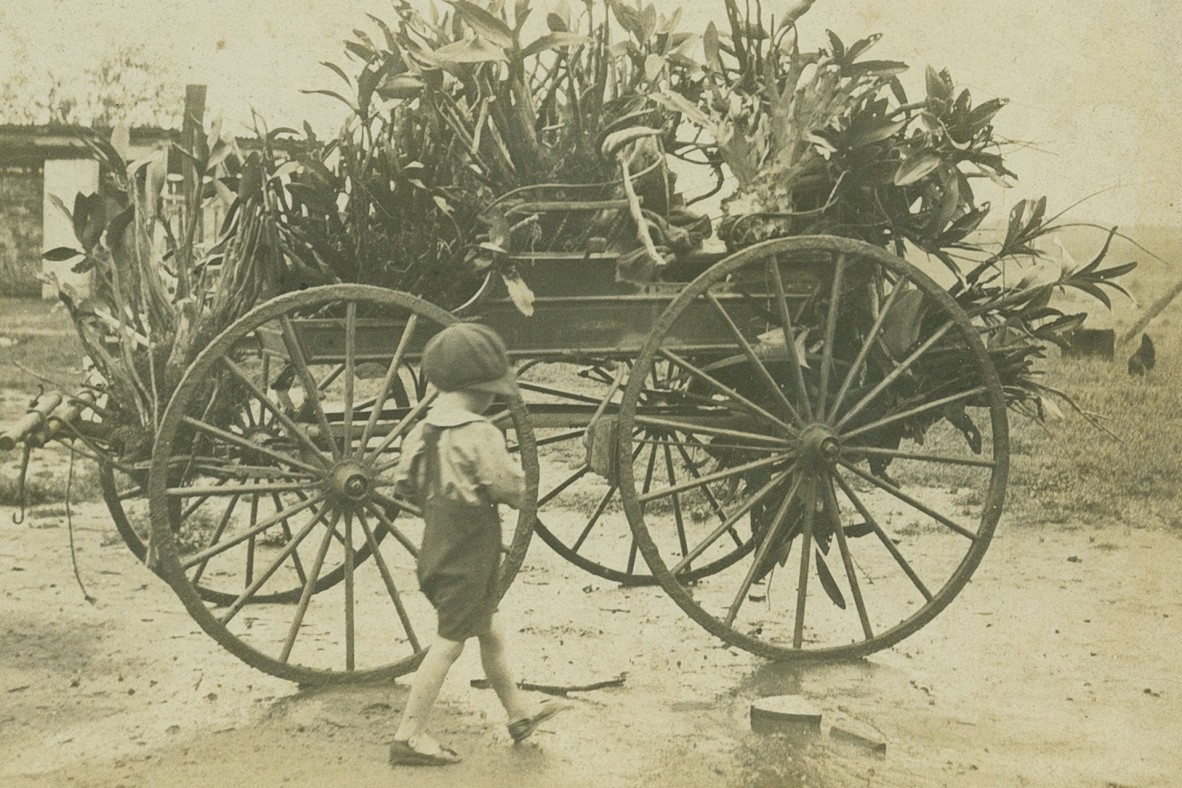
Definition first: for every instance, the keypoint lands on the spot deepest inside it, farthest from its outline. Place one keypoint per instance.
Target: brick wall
(20, 230)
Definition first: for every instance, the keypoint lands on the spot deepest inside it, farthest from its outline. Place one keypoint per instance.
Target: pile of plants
(455, 117)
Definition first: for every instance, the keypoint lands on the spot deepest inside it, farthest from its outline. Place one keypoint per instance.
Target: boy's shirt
(474, 465)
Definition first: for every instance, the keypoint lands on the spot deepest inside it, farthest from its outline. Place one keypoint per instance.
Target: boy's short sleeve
(408, 473)
(496, 472)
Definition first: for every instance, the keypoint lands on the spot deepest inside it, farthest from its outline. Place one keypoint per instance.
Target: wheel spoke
(404, 423)
(907, 414)
(714, 504)
(311, 389)
(830, 332)
(250, 543)
(309, 588)
(273, 567)
(237, 440)
(846, 557)
(867, 344)
(567, 482)
(709, 478)
(295, 557)
(293, 429)
(217, 534)
(538, 388)
(728, 524)
(752, 358)
(761, 552)
(350, 381)
(809, 500)
(195, 505)
(648, 481)
(726, 390)
(790, 339)
(217, 549)
(207, 491)
(330, 377)
(894, 375)
(678, 521)
(388, 382)
(350, 632)
(907, 499)
(904, 455)
(882, 536)
(393, 530)
(706, 429)
(595, 515)
(388, 579)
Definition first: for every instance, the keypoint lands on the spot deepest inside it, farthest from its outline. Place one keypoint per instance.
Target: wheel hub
(349, 482)
(819, 447)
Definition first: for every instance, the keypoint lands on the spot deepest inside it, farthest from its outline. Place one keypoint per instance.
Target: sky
(1094, 86)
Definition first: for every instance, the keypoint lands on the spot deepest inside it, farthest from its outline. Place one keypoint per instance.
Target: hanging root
(18, 517)
(70, 528)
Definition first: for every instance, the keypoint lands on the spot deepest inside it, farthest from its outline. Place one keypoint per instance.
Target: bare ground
(1058, 665)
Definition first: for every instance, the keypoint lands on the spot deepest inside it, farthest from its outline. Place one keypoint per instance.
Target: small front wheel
(295, 552)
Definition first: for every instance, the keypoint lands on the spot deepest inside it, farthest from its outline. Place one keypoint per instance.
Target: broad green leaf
(867, 132)
(60, 254)
(400, 86)
(485, 24)
(939, 85)
(983, 113)
(475, 50)
(555, 41)
(827, 582)
(836, 46)
(334, 68)
(710, 47)
(519, 292)
(916, 167)
(1095, 261)
(877, 68)
(556, 23)
(900, 329)
(860, 47)
(224, 192)
(653, 66)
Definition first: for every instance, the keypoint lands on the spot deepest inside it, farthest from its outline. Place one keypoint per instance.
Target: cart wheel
(861, 429)
(120, 492)
(287, 495)
(583, 519)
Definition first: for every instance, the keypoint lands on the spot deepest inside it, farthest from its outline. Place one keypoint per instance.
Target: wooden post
(192, 141)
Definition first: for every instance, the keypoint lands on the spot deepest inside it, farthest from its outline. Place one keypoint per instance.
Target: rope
(70, 527)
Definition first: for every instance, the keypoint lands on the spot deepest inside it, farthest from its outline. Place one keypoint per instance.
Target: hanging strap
(433, 479)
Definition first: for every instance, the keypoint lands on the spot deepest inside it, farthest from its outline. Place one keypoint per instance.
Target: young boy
(455, 465)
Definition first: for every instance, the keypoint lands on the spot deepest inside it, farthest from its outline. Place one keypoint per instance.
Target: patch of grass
(1074, 472)
(39, 338)
(46, 481)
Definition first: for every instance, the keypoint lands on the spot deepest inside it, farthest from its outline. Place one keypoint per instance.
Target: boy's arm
(496, 471)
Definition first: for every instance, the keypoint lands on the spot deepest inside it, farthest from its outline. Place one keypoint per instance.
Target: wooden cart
(804, 443)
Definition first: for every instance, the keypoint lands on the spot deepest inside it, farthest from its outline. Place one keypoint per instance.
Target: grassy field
(1071, 471)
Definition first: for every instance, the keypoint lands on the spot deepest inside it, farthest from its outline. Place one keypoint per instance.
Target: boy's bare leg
(498, 672)
(424, 689)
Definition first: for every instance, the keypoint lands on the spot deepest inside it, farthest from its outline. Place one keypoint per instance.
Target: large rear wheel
(860, 436)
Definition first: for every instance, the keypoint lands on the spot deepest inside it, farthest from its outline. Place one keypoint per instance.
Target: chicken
(1144, 359)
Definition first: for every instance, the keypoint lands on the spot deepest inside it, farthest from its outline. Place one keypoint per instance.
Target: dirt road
(1058, 665)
